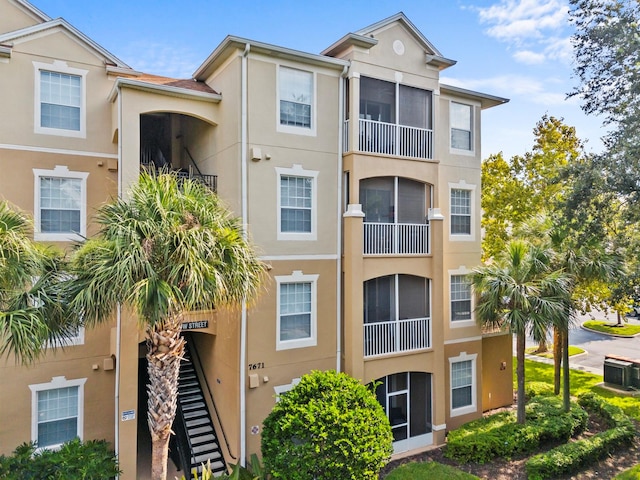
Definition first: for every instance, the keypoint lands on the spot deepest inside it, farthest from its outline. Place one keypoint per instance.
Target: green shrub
(571, 457)
(538, 389)
(499, 435)
(75, 460)
(328, 426)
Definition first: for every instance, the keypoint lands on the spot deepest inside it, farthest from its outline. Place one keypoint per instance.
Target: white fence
(396, 336)
(391, 139)
(396, 238)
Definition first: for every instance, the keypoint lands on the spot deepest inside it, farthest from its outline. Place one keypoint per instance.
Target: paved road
(597, 345)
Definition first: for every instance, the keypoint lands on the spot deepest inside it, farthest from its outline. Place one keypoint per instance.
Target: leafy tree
(32, 313)
(169, 248)
(328, 426)
(520, 292)
(517, 190)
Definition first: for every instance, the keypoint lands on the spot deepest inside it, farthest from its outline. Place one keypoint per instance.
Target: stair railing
(198, 365)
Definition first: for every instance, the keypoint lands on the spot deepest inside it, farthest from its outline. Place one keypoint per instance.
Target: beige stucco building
(357, 175)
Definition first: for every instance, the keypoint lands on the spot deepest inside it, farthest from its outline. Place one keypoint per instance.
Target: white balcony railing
(391, 139)
(396, 238)
(397, 336)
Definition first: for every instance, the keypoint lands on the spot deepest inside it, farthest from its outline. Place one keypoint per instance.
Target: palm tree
(170, 248)
(519, 292)
(32, 310)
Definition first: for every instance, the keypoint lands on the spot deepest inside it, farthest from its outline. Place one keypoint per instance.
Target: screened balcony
(397, 315)
(395, 216)
(393, 119)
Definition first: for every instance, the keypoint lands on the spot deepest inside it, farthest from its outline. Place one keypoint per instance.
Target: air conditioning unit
(618, 372)
(635, 376)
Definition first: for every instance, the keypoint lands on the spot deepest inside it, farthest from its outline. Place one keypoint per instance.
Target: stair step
(198, 421)
(205, 447)
(207, 438)
(208, 456)
(187, 407)
(199, 430)
(189, 391)
(193, 413)
(216, 467)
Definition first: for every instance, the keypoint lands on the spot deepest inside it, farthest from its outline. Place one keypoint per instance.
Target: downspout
(341, 109)
(118, 311)
(244, 208)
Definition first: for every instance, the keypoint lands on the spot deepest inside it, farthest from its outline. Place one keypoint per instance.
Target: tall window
(460, 211)
(296, 203)
(460, 298)
(57, 411)
(296, 97)
(463, 385)
(296, 311)
(60, 200)
(461, 126)
(59, 99)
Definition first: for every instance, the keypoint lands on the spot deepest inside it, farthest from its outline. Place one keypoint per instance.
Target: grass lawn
(631, 474)
(612, 328)
(573, 350)
(428, 470)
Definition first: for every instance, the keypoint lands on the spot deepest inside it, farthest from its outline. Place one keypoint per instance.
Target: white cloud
(529, 57)
(161, 59)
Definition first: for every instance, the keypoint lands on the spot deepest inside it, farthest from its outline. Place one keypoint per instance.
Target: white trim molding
(298, 130)
(464, 237)
(460, 271)
(297, 171)
(473, 406)
(297, 277)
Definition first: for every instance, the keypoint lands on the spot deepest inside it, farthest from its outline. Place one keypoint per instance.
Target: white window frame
(463, 151)
(463, 185)
(60, 172)
(298, 171)
(280, 389)
(461, 323)
(473, 407)
(310, 131)
(55, 383)
(298, 277)
(60, 67)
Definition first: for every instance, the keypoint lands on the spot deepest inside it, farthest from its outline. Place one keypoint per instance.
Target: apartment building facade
(357, 175)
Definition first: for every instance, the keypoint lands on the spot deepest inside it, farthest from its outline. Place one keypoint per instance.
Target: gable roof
(7, 39)
(365, 38)
(39, 14)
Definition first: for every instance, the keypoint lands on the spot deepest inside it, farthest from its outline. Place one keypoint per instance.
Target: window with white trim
(296, 101)
(57, 411)
(60, 104)
(297, 210)
(460, 211)
(461, 126)
(282, 389)
(296, 311)
(60, 204)
(462, 371)
(460, 291)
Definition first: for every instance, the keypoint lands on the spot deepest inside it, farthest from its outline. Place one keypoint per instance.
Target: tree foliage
(32, 306)
(520, 292)
(515, 191)
(328, 426)
(168, 248)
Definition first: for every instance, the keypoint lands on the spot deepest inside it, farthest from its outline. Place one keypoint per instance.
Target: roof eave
(440, 62)
(212, 61)
(350, 39)
(162, 89)
(5, 51)
(486, 100)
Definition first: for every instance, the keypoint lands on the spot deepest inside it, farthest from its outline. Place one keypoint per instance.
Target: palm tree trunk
(520, 346)
(557, 359)
(165, 349)
(566, 394)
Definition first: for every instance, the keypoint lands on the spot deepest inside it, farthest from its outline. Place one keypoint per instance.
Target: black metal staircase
(196, 438)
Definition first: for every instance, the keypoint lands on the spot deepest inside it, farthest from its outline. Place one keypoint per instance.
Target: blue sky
(518, 49)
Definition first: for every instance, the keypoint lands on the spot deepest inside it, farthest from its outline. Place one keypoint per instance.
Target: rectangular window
(60, 205)
(460, 298)
(461, 126)
(460, 212)
(57, 411)
(295, 204)
(57, 416)
(296, 97)
(60, 96)
(296, 311)
(60, 199)
(461, 384)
